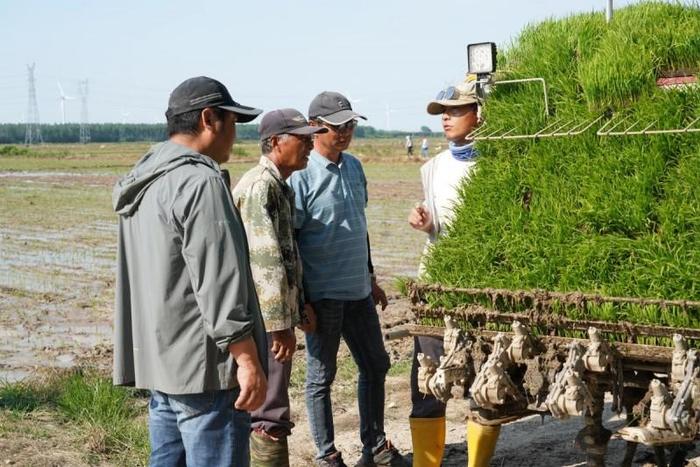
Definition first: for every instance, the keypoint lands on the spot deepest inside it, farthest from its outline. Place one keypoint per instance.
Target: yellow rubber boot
(428, 437)
(481, 443)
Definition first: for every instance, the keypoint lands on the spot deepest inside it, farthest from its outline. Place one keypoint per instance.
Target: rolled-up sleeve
(214, 249)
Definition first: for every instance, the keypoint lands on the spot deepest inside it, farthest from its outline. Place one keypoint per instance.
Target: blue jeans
(357, 322)
(198, 430)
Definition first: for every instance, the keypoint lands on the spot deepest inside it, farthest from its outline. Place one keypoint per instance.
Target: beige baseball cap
(454, 96)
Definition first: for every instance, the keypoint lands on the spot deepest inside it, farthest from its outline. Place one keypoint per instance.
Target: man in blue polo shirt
(331, 196)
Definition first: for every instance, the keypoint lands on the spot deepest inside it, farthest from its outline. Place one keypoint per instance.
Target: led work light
(481, 58)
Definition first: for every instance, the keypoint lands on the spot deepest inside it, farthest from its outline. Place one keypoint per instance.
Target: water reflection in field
(57, 268)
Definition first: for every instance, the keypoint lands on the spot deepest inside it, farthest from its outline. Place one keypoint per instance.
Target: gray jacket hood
(160, 159)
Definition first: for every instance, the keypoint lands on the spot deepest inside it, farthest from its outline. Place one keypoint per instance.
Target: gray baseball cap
(201, 92)
(286, 121)
(332, 107)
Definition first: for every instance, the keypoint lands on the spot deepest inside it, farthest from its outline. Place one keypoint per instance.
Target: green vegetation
(14, 133)
(58, 247)
(118, 158)
(610, 215)
(13, 151)
(110, 422)
(25, 396)
(54, 206)
(107, 419)
(591, 65)
(400, 368)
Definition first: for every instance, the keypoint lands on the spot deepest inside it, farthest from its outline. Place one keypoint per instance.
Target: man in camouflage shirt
(266, 204)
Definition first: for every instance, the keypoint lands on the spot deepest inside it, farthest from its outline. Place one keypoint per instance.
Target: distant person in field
(187, 324)
(409, 146)
(339, 283)
(424, 145)
(441, 177)
(266, 204)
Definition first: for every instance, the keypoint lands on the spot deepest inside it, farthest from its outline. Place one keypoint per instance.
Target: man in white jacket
(441, 177)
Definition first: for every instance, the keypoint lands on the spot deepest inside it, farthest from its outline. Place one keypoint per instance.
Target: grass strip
(109, 420)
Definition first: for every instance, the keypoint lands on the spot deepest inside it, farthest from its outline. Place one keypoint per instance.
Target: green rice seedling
(645, 41)
(677, 317)
(679, 211)
(604, 312)
(618, 74)
(609, 215)
(401, 284)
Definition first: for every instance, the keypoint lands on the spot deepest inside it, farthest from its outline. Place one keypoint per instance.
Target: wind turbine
(388, 113)
(355, 101)
(63, 98)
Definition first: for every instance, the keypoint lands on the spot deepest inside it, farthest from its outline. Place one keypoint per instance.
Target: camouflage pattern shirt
(266, 204)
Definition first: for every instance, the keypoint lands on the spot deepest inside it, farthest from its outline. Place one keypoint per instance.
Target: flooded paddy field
(58, 243)
(57, 250)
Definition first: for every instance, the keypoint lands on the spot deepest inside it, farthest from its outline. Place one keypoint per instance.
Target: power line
(32, 132)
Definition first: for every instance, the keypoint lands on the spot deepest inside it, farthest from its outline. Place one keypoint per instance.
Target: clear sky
(388, 56)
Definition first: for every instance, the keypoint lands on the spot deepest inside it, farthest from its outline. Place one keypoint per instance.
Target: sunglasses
(460, 110)
(447, 94)
(344, 128)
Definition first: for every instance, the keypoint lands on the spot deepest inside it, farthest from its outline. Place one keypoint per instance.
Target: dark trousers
(273, 415)
(425, 406)
(357, 322)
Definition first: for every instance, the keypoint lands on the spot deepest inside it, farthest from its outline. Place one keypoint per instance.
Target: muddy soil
(533, 441)
(55, 311)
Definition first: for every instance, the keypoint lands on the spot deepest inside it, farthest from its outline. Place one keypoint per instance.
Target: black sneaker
(333, 460)
(365, 461)
(386, 456)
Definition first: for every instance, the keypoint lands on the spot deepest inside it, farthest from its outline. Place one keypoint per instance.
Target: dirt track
(55, 297)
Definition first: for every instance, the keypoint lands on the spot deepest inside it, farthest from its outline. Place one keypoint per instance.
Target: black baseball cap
(200, 92)
(332, 107)
(286, 121)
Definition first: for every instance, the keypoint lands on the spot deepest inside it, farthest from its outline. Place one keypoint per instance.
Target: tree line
(14, 133)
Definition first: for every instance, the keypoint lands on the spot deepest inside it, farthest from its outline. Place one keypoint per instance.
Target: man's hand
(284, 343)
(308, 319)
(250, 375)
(378, 294)
(419, 218)
(253, 386)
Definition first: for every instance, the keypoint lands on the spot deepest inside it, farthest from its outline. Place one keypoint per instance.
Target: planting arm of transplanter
(570, 270)
(557, 365)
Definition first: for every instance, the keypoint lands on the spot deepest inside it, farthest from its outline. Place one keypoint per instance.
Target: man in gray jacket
(187, 320)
